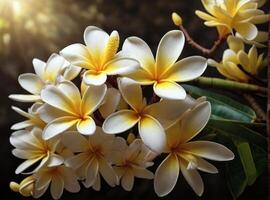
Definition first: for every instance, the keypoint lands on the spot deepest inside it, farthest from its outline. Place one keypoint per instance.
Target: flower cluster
(238, 65)
(234, 15)
(69, 135)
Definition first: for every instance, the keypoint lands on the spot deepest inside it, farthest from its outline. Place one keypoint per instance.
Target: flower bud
(177, 20)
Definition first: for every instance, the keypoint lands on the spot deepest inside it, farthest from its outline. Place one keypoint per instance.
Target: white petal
(86, 126)
(24, 98)
(209, 150)
(166, 175)
(120, 121)
(92, 98)
(169, 90)
(55, 160)
(75, 141)
(187, 69)
(136, 48)
(57, 186)
(71, 91)
(169, 50)
(78, 55)
(56, 98)
(127, 180)
(92, 172)
(194, 121)
(58, 126)
(205, 166)
(131, 92)
(152, 133)
(70, 180)
(77, 161)
(95, 39)
(91, 77)
(193, 178)
(121, 66)
(53, 67)
(48, 113)
(141, 172)
(165, 112)
(107, 172)
(111, 102)
(247, 30)
(22, 125)
(71, 72)
(39, 67)
(31, 83)
(26, 164)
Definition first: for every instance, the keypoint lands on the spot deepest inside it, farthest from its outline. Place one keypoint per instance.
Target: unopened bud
(131, 137)
(177, 20)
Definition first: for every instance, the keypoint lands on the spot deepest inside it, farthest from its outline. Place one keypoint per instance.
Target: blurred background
(36, 28)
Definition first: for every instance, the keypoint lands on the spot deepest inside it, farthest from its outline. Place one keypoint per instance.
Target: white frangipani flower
(133, 163)
(29, 145)
(94, 157)
(99, 57)
(66, 106)
(58, 178)
(164, 72)
(187, 156)
(32, 116)
(45, 73)
(150, 119)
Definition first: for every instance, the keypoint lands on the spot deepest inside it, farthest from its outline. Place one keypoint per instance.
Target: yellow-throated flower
(45, 73)
(58, 178)
(33, 119)
(132, 162)
(164, 72)
(30, 146)
(229, 15)
(93, 158)
(238, 65)
(66, 106)
(99, 57)
(187, 156)
(151, 119)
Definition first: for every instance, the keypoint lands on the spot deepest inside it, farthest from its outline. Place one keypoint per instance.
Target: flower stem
(228, 84)
(206, 51)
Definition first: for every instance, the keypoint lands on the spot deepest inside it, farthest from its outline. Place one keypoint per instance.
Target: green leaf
(248, 164)
(223, 107)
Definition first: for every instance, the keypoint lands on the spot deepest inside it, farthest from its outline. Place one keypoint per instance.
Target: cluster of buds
(69, 135)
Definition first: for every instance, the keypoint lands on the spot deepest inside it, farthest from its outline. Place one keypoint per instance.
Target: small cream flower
(229, 15)
(66, 107)
(29, 145)
(151, 119)
(45, 73)
(94, 158)
(236, 64)
(32, 116)
(132, 162)
(99, 57)
(25, 188)
(58, 178)
(164, 72)
(187, 156)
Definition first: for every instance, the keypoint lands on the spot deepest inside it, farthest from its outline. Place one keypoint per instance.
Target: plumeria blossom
(151, 119)
(58, 178)
(238, 65)
(32, 116)
(164, 72)
(188, 156)
(132, 162)
(45, 73)
(66, 106)
(93, 158)
(30, 146)
(229, 15)
(99, 57)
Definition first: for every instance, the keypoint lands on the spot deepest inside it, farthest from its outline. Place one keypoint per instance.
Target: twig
(255, 106)
(230, 85)
(206, 51)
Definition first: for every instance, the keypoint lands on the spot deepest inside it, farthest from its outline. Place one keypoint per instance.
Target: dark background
(39, 28)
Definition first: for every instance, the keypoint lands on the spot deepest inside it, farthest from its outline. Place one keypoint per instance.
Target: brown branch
(206, 51)
(261, 115)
